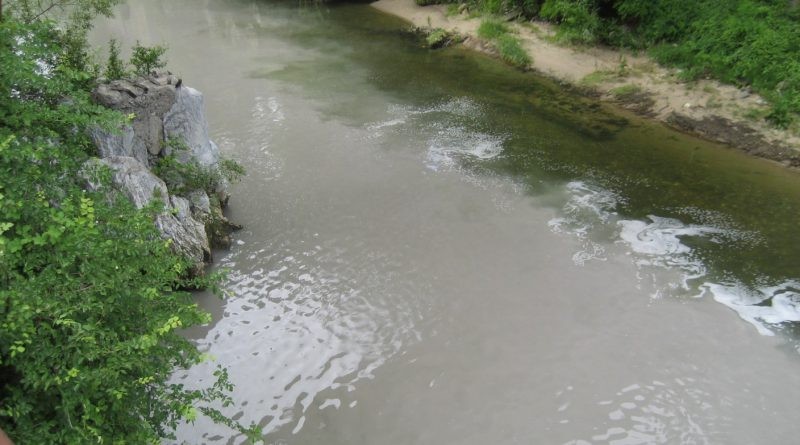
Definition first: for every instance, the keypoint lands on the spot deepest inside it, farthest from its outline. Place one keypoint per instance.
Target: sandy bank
(705, 108)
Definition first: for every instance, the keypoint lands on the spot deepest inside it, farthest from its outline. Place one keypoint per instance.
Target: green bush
(90, 294)
(492, 29)
(437, 38)
(184, 177)
(507, 44)
(753, 43)
(115, 67)
(578, 20)
(147, 59)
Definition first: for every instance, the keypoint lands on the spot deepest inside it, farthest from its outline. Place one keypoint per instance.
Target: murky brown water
(399, 283)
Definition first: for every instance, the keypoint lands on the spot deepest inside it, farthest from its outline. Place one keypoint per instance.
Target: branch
(53, 4)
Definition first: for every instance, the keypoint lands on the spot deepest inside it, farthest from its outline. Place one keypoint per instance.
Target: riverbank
(706, 108)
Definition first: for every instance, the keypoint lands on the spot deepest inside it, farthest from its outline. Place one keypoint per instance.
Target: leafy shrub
(182, 177)
(90, 294)
(437, 38)
(147, 59)
(578, 19)
(115, 67)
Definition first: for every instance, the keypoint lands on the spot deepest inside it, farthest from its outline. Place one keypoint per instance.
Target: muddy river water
(439, 249)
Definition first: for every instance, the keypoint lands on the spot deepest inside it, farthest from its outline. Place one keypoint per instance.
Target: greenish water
(441, 249)
(554, 135)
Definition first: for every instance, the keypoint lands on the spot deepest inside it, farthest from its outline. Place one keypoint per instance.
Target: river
(439, 249)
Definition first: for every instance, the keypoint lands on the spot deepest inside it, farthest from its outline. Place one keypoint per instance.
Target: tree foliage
(90, 295)
(146, 59)
(753, 43)
(115, 66)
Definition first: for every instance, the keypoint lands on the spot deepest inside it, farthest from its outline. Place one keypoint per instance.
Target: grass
(492, 29)
(452, 10)
(755, 114)
(713, 102)
(507, 44)
(644, 68)
(598, 77)
(437, 38)
(512, 52)
(626, 92)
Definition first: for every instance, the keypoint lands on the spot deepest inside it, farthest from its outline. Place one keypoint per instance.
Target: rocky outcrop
(162, 110)
(147, 100)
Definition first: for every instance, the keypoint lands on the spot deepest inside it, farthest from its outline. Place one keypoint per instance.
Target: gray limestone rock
(176, 222)
(117, 143)
(136, 181)
(201, 204)
(147, 99)
(186, 121)
(161, 108)
(187, 234)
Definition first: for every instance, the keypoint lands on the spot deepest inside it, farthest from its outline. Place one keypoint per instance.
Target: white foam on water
(401, 114)
(658, 244)
(588, 208)
(451, 144)
(764, 307)
(449, 141)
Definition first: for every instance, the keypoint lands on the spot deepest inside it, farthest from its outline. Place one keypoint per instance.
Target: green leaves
(90, 294)
(146, 59)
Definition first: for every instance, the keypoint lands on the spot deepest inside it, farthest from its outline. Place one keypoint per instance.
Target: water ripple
(312, 323)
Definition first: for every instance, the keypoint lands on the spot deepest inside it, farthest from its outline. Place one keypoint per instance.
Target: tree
(90, 295)
(115, 67)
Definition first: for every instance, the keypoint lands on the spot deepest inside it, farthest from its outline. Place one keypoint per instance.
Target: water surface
(442, 250)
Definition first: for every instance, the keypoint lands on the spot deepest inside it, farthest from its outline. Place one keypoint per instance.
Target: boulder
(147, 99)
(200, 204)
(118, 143)
(187, 234)
(176, 222)
(186, 121)
(136, 181)
(162, 109)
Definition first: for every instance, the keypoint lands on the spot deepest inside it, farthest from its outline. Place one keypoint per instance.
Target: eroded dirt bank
(706, 108)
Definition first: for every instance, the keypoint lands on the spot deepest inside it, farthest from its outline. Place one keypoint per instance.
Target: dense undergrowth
(749, 43)
(91, 296)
